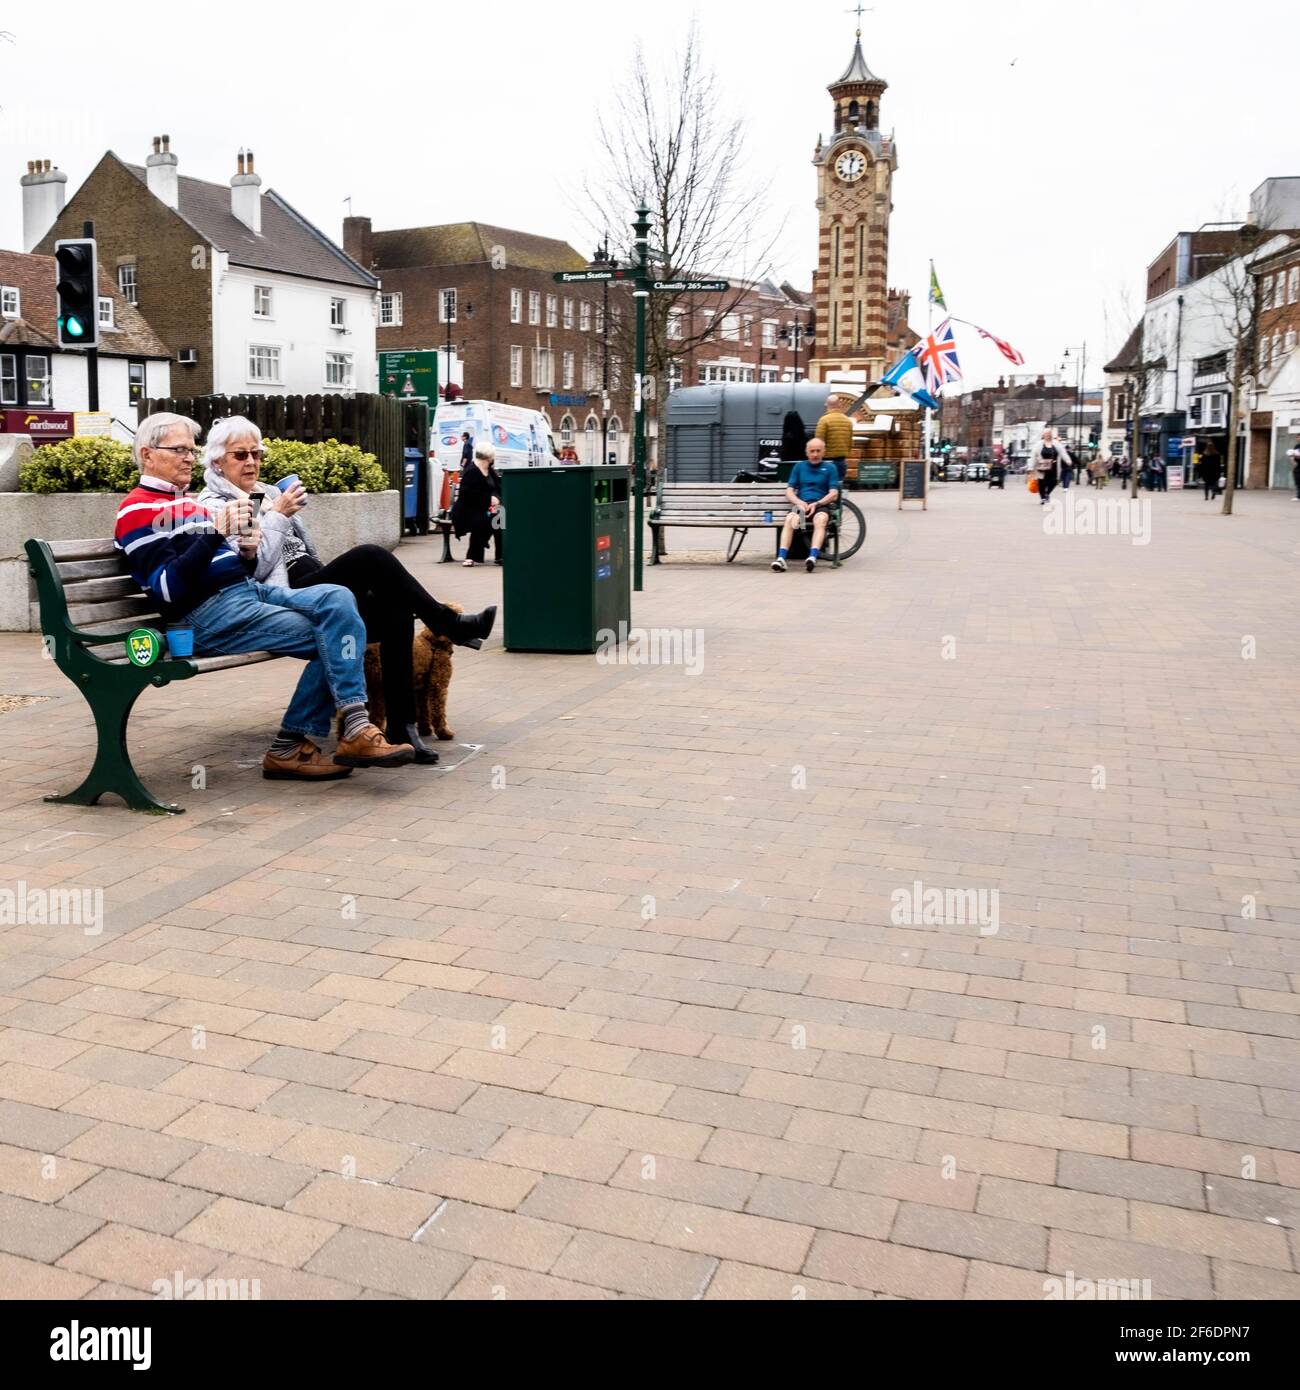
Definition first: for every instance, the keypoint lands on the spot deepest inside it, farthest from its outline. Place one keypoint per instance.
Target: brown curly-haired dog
(431, 657)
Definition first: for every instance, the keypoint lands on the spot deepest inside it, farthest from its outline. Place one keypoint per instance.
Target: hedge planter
(336, 522)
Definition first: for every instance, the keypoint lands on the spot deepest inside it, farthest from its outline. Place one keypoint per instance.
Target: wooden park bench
(738, 507)
(90, 605)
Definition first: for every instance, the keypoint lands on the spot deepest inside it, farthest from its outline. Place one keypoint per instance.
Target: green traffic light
(75, 328)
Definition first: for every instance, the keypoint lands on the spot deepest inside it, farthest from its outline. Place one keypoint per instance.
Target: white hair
(485, 451)
(224, 433)
(149, 432)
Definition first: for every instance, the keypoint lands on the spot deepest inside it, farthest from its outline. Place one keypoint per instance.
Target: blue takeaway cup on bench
(180, 642)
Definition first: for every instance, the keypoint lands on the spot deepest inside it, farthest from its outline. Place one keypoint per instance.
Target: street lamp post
(793, 335)
(1081, 367)
(641, 293)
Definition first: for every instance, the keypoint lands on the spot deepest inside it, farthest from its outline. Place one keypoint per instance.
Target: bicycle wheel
(853, 531)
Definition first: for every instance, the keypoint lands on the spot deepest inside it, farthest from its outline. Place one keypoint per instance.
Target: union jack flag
(938, 358)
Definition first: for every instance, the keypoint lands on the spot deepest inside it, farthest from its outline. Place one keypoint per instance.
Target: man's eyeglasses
(187, 449)
(243, 455)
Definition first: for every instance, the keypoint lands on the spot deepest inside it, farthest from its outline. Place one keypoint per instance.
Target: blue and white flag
(907, 378)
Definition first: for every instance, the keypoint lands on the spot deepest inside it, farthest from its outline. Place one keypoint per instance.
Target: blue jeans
(320, 625)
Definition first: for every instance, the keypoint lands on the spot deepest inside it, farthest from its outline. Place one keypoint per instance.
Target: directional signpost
(643, 287)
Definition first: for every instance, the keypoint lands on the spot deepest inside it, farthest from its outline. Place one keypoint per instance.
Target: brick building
(490, 293)
(249, 295)
(1275, 423)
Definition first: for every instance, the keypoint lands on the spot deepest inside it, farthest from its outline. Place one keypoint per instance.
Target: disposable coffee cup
(180, 641)
(286, 483)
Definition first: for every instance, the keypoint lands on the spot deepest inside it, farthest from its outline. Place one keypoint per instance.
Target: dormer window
(10, 301)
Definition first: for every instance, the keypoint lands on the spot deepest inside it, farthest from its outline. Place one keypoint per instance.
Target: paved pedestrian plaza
(930, 929)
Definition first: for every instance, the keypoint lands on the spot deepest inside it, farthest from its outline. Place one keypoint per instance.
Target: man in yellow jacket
(835, 430)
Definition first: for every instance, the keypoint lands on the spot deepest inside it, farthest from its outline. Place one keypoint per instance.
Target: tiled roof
(38, 305)
(1127, 356)
(288, 244)
(471, 243)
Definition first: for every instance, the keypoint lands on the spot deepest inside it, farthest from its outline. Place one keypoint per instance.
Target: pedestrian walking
(477, 509)
(1211, 470)
(1159, 475)
(1294, 456)
(1045, 465)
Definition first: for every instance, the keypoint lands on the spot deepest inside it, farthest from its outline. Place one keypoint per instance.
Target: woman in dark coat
(477, 506)
(794, 437)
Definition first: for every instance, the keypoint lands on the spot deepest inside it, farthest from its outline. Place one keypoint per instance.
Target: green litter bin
(567, 577)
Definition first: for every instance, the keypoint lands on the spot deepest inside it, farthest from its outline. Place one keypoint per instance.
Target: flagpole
(929, 329)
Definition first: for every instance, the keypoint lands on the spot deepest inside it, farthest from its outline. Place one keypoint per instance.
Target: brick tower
(855, 171)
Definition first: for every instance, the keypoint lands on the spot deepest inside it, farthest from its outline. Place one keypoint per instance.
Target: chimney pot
(43, 194)
(31, 167)
(250, 161)
(157, 143)
(241, 161)
(167, 143)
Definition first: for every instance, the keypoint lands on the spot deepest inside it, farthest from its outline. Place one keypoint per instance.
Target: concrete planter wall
(336, 521)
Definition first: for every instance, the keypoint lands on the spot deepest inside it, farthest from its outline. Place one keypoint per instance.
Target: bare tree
(666, 139)
(1145, 364)
(1235, 297)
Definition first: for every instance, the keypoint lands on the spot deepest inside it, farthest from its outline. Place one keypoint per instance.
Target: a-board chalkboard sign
(914, 483)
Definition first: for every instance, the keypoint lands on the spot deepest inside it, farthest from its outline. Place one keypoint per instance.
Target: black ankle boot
(409, 733)
(471, 629)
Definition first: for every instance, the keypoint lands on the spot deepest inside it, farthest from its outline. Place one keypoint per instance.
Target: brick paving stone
(633, 1267)
(30, 1279)
(127, 1199)
(366, 1206)
(245, 1228)
(485, 1281)
(138, 1259)
(522, 1241)
(971, 1234)
(388, 1265)
(40, 1231)
(1173, 1273)
(264, 1181)
(40, 1177)
(35, 1127)
(885, 1268)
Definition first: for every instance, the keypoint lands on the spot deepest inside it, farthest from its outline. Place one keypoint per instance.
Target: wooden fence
(381, 425)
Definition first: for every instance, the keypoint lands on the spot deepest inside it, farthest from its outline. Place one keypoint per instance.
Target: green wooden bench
(89, 606)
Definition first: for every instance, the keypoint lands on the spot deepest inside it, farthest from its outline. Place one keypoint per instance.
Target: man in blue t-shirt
(814, 490)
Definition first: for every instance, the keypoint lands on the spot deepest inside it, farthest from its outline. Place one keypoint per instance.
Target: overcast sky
(1048, 149)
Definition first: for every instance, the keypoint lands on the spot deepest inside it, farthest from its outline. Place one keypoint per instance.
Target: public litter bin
(566, 541)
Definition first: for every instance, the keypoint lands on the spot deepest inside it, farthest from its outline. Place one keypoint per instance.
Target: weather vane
(860, 11)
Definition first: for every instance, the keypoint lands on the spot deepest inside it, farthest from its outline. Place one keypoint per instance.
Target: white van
(521, 437)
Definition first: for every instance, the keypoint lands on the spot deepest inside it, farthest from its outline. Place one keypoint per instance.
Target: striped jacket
(175, 554)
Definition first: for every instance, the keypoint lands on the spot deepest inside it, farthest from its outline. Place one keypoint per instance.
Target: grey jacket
(282, 536)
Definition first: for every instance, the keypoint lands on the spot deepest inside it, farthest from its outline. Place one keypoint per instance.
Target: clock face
(851, 166)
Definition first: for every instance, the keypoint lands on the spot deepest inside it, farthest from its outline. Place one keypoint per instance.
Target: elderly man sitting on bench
(813, 492)
(199, 569)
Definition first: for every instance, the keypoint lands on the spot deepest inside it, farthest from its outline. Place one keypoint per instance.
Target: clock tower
(855, 171)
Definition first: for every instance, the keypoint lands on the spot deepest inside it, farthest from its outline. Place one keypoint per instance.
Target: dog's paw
(445, 735)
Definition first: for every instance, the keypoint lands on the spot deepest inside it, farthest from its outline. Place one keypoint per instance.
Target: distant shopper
(1045, 464)
(1159, 475)
(1211, 470)
(477, 512)
(813, 492)
(835, 430)
(1294, 456)
(466, 451)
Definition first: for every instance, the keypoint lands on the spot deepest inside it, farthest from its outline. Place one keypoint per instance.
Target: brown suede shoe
(306, 763)
(371, 749)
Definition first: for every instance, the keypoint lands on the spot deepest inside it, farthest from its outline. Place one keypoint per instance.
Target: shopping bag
(1033, 484)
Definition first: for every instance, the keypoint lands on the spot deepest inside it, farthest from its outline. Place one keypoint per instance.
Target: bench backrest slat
(92, 549)
(102, 617)
(72, 570)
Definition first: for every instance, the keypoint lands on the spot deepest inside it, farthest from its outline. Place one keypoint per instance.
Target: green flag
(936, 294)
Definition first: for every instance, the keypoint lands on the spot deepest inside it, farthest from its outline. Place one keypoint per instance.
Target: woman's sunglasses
(243, 455)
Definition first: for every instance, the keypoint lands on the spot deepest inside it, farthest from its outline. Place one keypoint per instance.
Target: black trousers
(480, 533)
(389, 598)
(1047, 484)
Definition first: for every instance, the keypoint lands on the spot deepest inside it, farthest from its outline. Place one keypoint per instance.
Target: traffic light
(78, 291)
